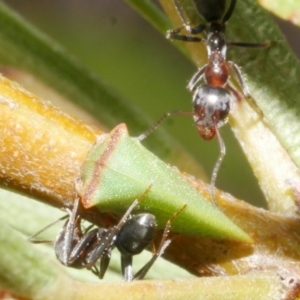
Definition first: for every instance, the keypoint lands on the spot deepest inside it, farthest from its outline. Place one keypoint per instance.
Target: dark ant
(211, 100)
(78, 249)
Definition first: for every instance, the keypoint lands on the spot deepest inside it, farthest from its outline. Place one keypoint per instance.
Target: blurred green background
(140, 64)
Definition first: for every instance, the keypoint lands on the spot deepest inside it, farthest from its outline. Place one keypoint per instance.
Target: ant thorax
(217, 71)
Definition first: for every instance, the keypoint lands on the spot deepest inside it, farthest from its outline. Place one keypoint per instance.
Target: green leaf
(287, 10)
(15, 248)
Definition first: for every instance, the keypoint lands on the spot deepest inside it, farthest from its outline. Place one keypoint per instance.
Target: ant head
(211, 108)
(207, 133)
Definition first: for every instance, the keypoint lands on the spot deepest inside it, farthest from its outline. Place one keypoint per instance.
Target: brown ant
(212, 99)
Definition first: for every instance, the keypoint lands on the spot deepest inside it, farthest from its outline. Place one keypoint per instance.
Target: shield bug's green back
(119, 169)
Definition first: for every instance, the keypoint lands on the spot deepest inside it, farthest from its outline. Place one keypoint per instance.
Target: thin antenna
(217, 166)
(163, 118)
(31, 238)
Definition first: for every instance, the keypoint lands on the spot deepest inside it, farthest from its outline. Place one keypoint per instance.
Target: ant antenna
(217, 166)
(162, 119)
(32, 237)
(131, 208)
(164, 243)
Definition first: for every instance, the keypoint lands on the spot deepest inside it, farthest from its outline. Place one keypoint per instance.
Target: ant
(78, 249)
(212, 99)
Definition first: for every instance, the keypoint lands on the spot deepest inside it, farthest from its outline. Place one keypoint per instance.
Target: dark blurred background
(105, 36)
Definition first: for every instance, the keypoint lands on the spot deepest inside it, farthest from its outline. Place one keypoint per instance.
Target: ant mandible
(211, 100)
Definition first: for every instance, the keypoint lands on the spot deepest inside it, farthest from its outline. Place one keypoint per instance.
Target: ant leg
(175, 33)
(31, 238)
(250, 45)
(245, 89)
(217, 166)
(131, 207)
(192, 30)
(104, 262)
(164, 243)
(126, 265)
(68, 237)
(239, 75)
(162, 119)
(81, 246)
(95, 271)
(106, 242)
(196, 78)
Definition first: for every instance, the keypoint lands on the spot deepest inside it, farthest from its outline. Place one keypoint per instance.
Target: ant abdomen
(136, 234)
(211, 108)
(212, 10)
